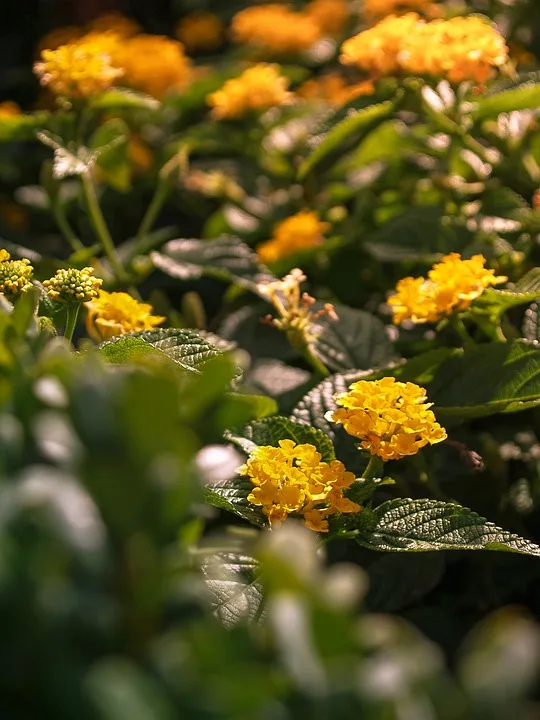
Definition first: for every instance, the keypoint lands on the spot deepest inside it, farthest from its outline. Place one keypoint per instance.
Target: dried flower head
(255, 90)
(295, 309)
(276, 29)
(82, 69)
(117, 313)
(450, 287)
(292, 480)
(153, 64)
(200, 31)
(298, 232)
(73, 286)
(391, 419)
(14, 275)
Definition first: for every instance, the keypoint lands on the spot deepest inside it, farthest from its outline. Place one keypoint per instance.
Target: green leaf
(487, 379)
(231, 579)
(121, 98)
(357, 340)
(226, 258)
(185, 347)
(286, 383)
(523, 97)
(355, 123)
(231, 495)
(258, 406)
(271, 430)
(113, 161)
(406, 525)
(526, 290)
(531, 324)
(16, 128)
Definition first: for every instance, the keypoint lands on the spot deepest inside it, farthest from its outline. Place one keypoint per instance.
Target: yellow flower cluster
(80, 70)
(462, 48)
(332, 89)
(117, 313)
(276, 29)
(73, 285)
(14, 274)
(451, 287)
(330, 15)
(295, 314)
(153, 64)
(200, 31)
(292, 480)
(391, 419)
(257, 89)
(298, 232)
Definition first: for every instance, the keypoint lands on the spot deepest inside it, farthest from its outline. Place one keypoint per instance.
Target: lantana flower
(255, 90)
(15, 275)
(391, 419)
(298, 232)
(450, 287)
(117, 313)
(200, 31)
(275, 28)
(71, 285)
(293, 480)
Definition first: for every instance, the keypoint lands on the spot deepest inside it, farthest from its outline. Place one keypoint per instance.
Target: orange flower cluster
(298, 232)
(257, 89)
(462, 48)
(200, 31)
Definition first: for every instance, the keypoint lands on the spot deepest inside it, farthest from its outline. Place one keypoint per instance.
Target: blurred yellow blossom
(82, 69)
(200, 31)
(257, 89)
(451, 287)
(73, 285)
(391, 419)
(332, 88)
(462, 48)
(153, 64)
(115, 22)
(378, 9)
(298, 232)
(8, 108)
(292, 480)
(330, 15)
(60, 36)
(296, 316)
(275, 28)
(14, 275)
(376, 51)
(117, 313)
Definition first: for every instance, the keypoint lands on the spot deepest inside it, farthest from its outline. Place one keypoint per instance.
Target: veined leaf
(406, 525)
(231, 495)
(231, 579)
(356, 122)
(526, 290)
(271, 430)
(185, 347)
(531, 324)
(226, 258)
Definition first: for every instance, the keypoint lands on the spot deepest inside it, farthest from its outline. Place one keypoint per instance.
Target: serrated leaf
(271, 430)
(523, 97)
(185, 347)
(531, 324)
(487, 379)
(355, 123)
(231, 495)
(226, 258)
(120, 98)
(231, 580)
(526, 290)
(356, 340)
(406, 525)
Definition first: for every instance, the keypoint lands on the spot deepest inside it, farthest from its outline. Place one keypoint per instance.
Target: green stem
(153, 210)
(100, 227)
(318, 366)
(72, 311)
(373, 469)
(459, 326)
(65, 227)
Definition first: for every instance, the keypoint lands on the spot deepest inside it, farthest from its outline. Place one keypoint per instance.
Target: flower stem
(318, 366)
(72, 310)
(153, 210)
(65, 227)
(100, 227)
(373, 469)
(459, 326)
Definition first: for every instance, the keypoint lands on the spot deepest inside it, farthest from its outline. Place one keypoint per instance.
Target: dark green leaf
(406, 525)
(226, 258)
(231, 495)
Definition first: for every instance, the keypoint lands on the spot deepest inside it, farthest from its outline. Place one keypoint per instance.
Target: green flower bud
(14, 275)
(73, 286)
